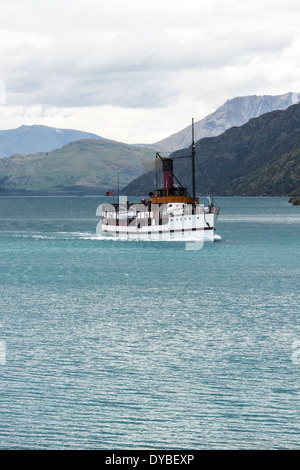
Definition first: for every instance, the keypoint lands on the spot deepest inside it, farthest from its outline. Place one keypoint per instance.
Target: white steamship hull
(164, 222)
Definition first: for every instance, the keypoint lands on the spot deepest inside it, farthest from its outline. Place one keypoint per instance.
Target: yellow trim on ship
(172, 199)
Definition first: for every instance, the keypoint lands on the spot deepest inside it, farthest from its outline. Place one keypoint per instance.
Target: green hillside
(81, 167)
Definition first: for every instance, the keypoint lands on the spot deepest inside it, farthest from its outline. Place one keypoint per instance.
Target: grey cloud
(139, 68)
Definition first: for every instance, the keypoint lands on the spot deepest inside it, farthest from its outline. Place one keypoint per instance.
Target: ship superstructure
(170, 213)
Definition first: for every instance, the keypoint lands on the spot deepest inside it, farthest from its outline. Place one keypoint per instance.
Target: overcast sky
(139, 70)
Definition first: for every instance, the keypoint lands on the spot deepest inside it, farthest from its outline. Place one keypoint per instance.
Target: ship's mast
(193, 167)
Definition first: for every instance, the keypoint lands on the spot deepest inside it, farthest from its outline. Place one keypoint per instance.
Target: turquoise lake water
(109, 344)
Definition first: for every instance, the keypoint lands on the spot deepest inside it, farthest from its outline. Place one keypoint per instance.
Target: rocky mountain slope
(235, 112)
(261, 158)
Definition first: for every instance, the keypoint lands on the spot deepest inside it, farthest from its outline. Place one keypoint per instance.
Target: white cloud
(136, 70)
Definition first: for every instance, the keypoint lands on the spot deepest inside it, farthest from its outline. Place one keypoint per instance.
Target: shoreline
(295, 201)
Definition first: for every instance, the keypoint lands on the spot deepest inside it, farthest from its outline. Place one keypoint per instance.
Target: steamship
(170, 213)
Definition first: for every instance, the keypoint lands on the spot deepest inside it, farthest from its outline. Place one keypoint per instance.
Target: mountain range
(262, 157)
(235, 112)
(32, 139)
